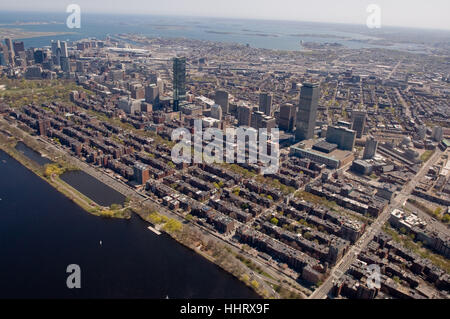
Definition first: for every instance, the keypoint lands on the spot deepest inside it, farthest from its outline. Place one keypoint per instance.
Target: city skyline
(286, 160)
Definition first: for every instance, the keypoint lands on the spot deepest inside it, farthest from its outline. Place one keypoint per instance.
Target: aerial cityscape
(252, 159)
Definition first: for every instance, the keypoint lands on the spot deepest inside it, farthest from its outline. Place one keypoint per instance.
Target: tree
(437, 211)
(210, 245)
(308, 235)
(274, 221)
(115, 207)
(446, 218)
(107, 214)
(172, 225)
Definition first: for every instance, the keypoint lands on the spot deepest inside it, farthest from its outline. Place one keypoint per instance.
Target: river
(42, 232)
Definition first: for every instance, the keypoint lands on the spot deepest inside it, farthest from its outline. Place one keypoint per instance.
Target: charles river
(42, 232)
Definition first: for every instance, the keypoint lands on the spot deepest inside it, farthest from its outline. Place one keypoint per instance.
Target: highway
(394, 69)
(351, 256)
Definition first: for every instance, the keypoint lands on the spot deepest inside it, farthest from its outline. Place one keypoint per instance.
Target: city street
(367, 237)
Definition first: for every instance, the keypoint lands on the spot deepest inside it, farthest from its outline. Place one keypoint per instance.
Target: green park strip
(51, 172)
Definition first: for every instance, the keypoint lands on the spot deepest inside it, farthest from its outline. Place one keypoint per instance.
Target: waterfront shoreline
(36, 219)
(83, 201)
(9, 148)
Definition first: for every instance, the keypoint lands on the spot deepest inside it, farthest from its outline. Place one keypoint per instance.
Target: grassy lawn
(21, 92)
(426, 156)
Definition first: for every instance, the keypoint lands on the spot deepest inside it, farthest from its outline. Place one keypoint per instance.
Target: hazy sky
(411, 13)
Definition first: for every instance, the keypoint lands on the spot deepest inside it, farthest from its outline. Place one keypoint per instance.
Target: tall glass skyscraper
(265, 103)
(179, 82)
(359, 122)
(307, 111)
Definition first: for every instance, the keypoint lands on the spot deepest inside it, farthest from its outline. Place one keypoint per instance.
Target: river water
(93, 188)
(42, 232)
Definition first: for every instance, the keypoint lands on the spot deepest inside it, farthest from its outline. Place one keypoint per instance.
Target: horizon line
(233, 18)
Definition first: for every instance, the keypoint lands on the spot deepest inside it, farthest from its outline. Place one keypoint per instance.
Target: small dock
(157, 232)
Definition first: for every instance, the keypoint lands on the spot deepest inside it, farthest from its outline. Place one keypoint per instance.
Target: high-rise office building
(286, 117)
(39, 56)
(55, 46)
(221, 98)
(179, 82)
(261, 121)
(370, 148)
(10, 50)
(64, 52)
(29, 54)
(265, 103)
(160, 85)
(307, 111)
(422, 132)
(56, 52)
(257, 118)
(137, 91)
(342, 136)
(65, 64)
(19, 46)
(216, 112)
(2, 58)
(9, 44)
(244, 115)
(438, 133)
(152, 94)
(359, 122)
(268, 123)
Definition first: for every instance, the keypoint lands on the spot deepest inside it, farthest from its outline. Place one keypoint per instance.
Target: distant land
(267, 34)
(16, 33)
